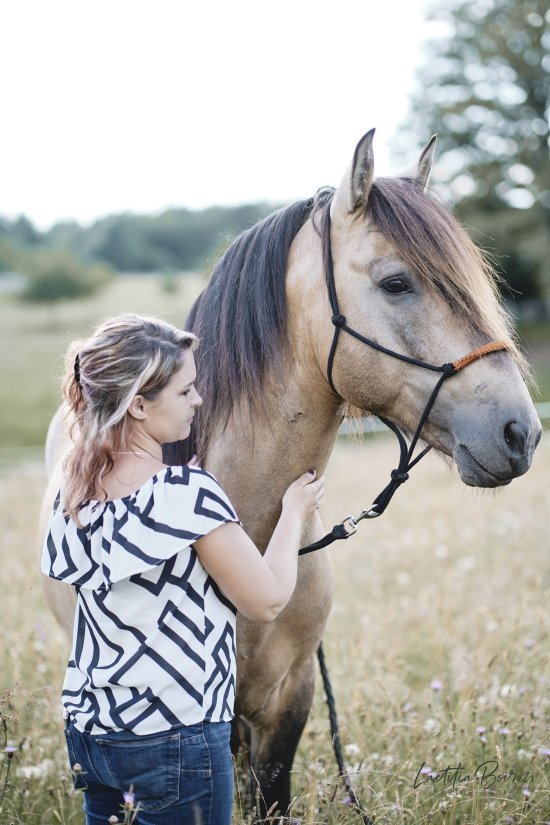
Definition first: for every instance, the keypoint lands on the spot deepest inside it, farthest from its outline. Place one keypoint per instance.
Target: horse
(409, 277)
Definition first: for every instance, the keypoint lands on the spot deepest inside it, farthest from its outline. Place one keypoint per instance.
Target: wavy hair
(126, 355)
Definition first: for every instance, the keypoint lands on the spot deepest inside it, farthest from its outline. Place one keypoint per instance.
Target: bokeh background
(138, 140)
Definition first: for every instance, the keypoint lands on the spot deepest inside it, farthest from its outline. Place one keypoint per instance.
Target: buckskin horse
(283, 358)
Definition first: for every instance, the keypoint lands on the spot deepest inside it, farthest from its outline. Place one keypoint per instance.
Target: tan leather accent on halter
(493, 346)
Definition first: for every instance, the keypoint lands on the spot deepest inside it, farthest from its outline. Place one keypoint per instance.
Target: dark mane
(241, 317)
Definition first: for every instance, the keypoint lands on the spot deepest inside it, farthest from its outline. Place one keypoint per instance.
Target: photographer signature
(487, 774)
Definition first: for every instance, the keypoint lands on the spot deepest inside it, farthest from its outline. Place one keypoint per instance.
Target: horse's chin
(475, 474)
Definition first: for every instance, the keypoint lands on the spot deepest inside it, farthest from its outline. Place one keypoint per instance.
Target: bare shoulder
(127, 476)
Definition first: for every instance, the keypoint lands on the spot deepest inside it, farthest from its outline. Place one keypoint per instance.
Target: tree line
(173, 241)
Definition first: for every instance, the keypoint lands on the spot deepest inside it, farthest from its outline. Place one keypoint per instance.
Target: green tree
(55, 275)
(485, 89)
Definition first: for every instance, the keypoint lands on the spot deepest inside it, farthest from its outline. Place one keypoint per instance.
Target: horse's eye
(395, 286)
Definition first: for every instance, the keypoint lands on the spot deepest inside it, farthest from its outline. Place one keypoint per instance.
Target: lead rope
(352, 799)
(348, 526)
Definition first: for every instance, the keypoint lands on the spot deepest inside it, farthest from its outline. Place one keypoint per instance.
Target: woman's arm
(260, 586)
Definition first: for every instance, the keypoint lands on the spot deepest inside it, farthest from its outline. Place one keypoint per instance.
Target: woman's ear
(137, 408)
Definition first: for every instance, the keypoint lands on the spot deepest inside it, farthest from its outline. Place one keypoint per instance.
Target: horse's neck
(260, 454)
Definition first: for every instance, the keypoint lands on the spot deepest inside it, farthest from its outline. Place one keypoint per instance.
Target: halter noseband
(406, 461)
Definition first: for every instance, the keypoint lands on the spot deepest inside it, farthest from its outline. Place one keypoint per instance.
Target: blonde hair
(126, 355)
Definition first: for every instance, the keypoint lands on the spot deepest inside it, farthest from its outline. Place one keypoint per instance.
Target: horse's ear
(422, 169)
(355, 187)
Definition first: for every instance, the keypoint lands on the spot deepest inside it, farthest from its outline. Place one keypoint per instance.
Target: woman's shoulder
(126, 536)
(199, 487)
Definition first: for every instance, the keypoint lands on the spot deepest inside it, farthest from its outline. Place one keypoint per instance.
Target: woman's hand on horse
(260, 586)
(304, 494)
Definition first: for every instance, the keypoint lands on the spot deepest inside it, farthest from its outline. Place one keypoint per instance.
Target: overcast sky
(128, 105)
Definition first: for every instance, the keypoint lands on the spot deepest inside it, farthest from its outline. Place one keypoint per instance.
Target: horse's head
(408, 276)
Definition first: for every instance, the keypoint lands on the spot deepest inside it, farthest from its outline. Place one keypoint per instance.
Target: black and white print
(154, 638)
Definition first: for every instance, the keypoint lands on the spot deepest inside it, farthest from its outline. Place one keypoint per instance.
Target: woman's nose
(197, 401)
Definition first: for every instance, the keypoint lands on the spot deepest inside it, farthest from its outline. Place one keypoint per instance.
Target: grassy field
(437, 645)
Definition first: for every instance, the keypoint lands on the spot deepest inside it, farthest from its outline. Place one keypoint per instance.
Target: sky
(135, 105)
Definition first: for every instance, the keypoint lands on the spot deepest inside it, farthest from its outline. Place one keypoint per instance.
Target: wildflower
(436, 684)
(432, 726)
(480, 729)
(526, 792)
(352, 749)
(10, 752)
(544, 751)
(129, 800)
(113, 820)
(77, 767)
(505, 731)
(347, 800)
(529, 643)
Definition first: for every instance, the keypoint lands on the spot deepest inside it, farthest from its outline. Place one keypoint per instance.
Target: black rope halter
(398, 476)
(406, 461)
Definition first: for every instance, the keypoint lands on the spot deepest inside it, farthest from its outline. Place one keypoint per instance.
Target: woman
(160, 565)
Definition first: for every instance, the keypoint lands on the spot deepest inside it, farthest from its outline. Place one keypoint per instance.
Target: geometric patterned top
(154, 638)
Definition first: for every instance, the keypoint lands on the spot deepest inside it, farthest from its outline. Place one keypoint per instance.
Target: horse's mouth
(474, 474)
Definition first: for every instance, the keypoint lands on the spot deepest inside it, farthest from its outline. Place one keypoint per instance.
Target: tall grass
(437, 645)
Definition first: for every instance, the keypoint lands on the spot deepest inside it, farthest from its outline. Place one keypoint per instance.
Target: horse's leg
(273, 745)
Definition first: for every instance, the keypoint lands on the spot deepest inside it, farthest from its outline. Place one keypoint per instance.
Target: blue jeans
(183, 776)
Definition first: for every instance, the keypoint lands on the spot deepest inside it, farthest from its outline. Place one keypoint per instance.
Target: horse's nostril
(515, 437)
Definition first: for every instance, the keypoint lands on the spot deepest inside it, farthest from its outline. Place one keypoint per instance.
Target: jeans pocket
(195, 754)
(150, 767)
(79, 781)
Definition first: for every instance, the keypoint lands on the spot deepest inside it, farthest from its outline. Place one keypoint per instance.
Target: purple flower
(481, 729)
(347, 800)
(128, 799)
(529, 643)
(505, 731)
(9, 752)
(426, 770)
(436, 684)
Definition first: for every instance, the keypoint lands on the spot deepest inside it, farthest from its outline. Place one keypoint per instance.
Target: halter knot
(338, 319)
(448, 369)
(399, 476)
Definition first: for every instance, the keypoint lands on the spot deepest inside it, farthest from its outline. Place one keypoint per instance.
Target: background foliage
(485, 90)
(177, 239)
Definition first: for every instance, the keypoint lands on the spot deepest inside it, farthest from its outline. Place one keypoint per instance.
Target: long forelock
(430, 239)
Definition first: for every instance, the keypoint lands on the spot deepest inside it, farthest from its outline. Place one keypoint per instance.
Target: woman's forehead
(187, 372)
